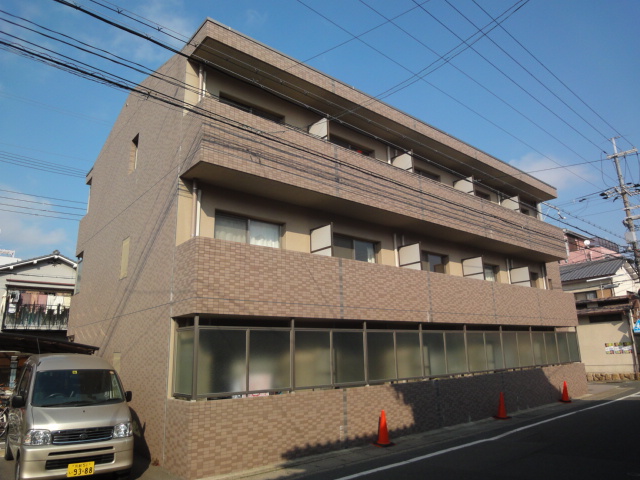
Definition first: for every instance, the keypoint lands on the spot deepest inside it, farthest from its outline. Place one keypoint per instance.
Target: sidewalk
(334, 460)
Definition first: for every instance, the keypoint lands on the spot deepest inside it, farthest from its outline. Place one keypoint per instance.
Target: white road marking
(478, 442)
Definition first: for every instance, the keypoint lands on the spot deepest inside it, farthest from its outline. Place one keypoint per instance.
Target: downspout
(395, 249)
(194, 206)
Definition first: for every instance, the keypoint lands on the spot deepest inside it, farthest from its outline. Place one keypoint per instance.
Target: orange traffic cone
(565, 394)
(502, 410)
(383, 433)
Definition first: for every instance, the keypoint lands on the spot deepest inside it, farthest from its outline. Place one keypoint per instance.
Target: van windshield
(61, 388)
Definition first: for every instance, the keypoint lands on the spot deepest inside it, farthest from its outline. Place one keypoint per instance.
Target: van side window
(23, 386)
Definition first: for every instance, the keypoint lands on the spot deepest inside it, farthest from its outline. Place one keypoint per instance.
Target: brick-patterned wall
(305, 161)
(242, 47)
(228, 278)
(217, 437)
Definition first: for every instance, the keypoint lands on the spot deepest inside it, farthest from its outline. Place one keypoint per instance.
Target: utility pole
(624, 193)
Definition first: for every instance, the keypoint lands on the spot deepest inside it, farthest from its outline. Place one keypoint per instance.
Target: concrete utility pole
(624, 193)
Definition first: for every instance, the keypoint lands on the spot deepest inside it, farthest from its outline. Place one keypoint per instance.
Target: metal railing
(37, 317)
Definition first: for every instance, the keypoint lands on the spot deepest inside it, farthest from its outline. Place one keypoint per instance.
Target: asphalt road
(592, 438)
(593, 441)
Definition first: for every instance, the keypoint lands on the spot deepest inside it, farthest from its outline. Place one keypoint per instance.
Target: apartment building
(271, 257)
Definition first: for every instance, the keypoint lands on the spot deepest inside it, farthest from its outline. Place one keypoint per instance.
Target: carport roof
(32, 344)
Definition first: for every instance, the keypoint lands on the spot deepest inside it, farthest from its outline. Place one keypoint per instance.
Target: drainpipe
(194, 207)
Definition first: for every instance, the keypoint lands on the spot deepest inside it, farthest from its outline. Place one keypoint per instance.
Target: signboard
(617, 348)
(636, 327)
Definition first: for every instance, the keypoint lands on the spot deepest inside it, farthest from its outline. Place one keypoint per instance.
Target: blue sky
(543, 90)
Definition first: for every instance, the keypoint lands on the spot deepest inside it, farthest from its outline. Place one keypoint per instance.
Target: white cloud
(255, 19)
(550, 171)
(32, 236)
(168, 14)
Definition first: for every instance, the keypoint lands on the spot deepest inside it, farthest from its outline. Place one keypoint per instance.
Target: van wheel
(7, 451)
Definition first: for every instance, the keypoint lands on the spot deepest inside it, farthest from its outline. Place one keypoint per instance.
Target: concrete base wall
(208, 438)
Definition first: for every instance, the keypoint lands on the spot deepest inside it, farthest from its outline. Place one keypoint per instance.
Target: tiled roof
(585, 270)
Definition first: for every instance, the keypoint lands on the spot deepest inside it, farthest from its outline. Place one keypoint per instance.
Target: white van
(68, 417)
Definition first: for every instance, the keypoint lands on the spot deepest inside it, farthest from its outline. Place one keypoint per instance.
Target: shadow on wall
(140, 447)
(421, 406)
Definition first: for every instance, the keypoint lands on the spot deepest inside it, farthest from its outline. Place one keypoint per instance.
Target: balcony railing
(37, 317)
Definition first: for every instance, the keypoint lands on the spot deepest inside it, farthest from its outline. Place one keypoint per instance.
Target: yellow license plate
(80, 469)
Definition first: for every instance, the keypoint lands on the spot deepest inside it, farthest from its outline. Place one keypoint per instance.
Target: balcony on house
(36, 317)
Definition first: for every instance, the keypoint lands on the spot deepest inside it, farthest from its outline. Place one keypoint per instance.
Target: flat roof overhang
(317, 91)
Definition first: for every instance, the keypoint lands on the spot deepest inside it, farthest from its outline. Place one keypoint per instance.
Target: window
(353, 249)
(124, 259)
(246, 230)
(351, 146)
(491, 272)
(274, 117)
(426, 174)
(133, 154)
(434, 262)
(483, 195)
(586, 295)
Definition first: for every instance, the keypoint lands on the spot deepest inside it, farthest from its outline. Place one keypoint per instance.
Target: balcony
(36, 317)
(295, 167)
(218, 277)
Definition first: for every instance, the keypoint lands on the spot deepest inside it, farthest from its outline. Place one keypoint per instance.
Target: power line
(40, 196)
(36, 164)
(129, 30)
(546, 131)
(90, 76)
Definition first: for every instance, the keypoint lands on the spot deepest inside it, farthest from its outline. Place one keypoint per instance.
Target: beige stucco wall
(592, 339)
(298, 222)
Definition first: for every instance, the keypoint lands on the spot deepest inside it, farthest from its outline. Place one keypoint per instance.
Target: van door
(16, 415)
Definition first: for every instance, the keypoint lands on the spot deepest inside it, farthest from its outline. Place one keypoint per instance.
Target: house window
(351, 146)
(133, 154)
(353, 249)
(483, 195)
(246, 230)
(491, 272)
(434, 262)
(586, 295)
(124, 259)
(426, 174)
(274, 117)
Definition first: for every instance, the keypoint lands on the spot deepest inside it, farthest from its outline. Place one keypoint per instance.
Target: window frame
(352, 239)
(428, 254)
(247, 230)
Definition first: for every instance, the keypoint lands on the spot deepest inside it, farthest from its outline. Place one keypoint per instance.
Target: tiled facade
(190, 166)
(269, 430)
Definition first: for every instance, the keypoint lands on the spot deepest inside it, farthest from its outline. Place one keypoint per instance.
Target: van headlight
(122, 430)
(37, 437)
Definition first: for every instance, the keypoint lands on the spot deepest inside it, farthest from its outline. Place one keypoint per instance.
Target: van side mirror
(128, 395)
(17, 401)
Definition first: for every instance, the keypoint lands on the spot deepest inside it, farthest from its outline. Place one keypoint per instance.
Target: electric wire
(290, 99)
(262, 86)
(40, 196)
(543, 129)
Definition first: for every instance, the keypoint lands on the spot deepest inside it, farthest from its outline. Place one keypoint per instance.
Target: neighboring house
(276, 257)
(586, 249)
(36, 295)
(8, 256)
(606, 296)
